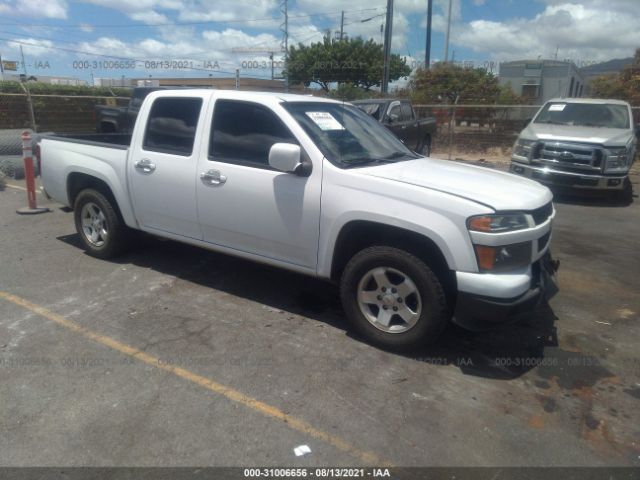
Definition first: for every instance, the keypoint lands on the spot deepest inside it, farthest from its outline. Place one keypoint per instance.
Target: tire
(102, 231)
(624, 196)
(425, 147)
(420, 302)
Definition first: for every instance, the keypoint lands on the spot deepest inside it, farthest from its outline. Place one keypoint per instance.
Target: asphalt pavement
(173, 355)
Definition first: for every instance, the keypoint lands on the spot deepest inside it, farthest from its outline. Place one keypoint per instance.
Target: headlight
(498, 223)
(617, 160)
(522, 148)
(503, 257)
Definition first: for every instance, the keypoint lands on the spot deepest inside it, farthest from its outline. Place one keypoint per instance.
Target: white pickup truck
(318, 187)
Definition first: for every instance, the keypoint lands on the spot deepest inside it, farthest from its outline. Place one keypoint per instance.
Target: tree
(446, 82)
(623, 86)
(353, 61)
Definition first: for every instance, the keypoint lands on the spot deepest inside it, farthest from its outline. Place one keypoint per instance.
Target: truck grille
(568, 156)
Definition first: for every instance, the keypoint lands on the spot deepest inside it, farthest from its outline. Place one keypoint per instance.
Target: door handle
(145, 165)
(213, 177)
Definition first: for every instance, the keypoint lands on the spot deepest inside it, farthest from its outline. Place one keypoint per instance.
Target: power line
(114, 57)
(202, 22)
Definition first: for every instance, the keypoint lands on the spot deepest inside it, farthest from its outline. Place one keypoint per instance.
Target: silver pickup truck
(579, 143)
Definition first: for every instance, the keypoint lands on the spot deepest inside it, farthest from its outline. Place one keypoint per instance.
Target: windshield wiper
(396, 155)
(365, 161)
(551, 122)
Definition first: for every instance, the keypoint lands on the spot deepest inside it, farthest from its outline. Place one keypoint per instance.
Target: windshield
(372, 109)
(585, 114)
(346, 135)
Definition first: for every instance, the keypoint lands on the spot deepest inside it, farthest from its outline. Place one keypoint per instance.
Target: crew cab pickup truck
(318, 187)
(122, 119)
(400, 117)
(579, 143)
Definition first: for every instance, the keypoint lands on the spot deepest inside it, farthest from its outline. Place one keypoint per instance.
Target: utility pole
(342, 25)
(446, 40)
(387, 47)
(427, 50)
(284, 27)
(237, 78)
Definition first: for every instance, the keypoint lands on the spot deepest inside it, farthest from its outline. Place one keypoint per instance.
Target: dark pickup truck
(399, 117)
(122, 119)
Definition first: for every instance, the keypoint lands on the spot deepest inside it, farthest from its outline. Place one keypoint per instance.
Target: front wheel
(393, 299)
(425, 147)
(102, 231)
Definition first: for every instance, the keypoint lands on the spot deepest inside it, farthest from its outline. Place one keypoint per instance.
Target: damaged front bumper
(480, 311)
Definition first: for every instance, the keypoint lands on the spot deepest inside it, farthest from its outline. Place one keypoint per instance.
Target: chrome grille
(568, 156)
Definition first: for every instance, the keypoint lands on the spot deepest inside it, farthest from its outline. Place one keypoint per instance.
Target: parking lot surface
(173, 355)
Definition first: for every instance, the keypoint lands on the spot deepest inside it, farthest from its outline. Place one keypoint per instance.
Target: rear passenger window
(243, 133)
(171, 127)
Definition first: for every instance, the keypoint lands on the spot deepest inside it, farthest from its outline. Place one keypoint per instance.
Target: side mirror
(287, 157)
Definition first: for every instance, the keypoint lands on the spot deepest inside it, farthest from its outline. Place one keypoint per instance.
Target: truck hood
(604, 136)
(498, 190)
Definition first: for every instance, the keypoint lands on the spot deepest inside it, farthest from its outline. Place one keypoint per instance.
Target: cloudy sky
(110, 38)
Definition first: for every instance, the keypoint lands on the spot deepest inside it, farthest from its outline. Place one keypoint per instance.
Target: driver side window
(244, 132)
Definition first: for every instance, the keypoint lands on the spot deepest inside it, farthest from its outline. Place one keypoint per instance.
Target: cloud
(593, 30)
(32, 47)
(35, 8)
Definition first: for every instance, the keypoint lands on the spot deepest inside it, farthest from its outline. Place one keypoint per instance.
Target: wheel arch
(78, 181)
(357, 235)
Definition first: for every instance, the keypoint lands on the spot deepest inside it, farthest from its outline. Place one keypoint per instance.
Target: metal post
(387, 47)
(342, 25)
(25, 87)
(29, 176)
(284, 28)
(427, 50)
(446, 40)
(271, 58)
(237, 78)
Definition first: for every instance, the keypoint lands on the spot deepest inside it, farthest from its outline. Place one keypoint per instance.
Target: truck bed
(108, 140)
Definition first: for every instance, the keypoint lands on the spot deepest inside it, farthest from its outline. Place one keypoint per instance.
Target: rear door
(246, 205)
(162, 165)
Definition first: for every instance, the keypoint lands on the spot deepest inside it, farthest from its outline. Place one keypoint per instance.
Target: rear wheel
(102, 231)
(393, 298)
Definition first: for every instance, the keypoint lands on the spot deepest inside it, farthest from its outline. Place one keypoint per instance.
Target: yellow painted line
(232, 394)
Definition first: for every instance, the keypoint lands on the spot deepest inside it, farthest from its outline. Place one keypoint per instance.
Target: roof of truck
(251, 95)
(597, 101)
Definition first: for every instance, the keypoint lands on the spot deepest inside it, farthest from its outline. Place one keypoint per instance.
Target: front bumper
(562, 178)
(480, 312)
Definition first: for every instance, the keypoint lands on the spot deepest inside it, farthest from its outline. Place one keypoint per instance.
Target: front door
(246, 205)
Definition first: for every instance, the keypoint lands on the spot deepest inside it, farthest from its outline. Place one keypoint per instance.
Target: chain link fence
(44, 113)
(481, 133)
(477, 133)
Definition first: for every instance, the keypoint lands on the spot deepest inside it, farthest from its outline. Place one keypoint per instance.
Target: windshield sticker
(325, 120)
(557, 107)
